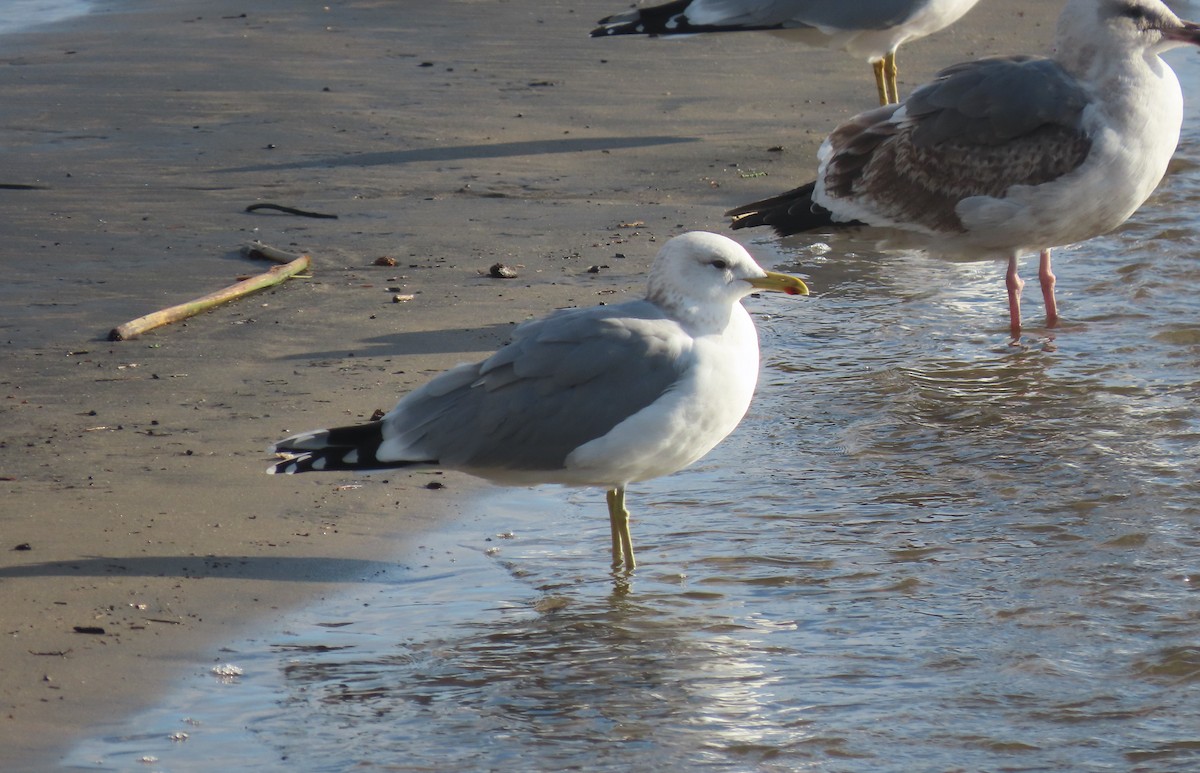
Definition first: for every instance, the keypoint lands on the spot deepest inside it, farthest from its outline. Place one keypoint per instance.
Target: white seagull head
(1105, 27)
(701, 275)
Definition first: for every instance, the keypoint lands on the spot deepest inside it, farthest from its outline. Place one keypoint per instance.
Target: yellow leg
(890, 71)
(880, 81)
(618, 519)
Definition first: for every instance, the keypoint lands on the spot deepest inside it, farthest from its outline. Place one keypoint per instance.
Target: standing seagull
(1006, 156)
(874, 29)
(603, 396)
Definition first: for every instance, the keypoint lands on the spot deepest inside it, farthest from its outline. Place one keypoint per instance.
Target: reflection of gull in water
(874, 29)
(602, 396)
(1005, 156)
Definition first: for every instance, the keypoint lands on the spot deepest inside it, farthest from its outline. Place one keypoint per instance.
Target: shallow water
(21, 15)
(924, 549)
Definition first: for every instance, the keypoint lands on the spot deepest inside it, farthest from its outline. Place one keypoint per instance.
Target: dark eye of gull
(719, 264)
(1138, 13)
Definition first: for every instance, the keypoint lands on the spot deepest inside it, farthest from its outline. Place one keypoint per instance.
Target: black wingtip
(341, 448)
(614, 25)
(668, 19)
(346, 449)
(788, 213)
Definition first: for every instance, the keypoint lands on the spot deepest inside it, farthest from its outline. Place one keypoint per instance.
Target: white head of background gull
(1007, 156)
(603, 396)
(873, 29)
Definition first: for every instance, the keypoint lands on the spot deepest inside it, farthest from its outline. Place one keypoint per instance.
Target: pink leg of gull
(1014, 282)
(1046, 276)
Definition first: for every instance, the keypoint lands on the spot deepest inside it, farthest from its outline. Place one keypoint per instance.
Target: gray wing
(838, 14)
(684, 17)
(563, 380)
(977, 129)
(996, 100)
(851, 15)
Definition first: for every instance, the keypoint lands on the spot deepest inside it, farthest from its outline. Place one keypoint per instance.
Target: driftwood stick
(276, 275)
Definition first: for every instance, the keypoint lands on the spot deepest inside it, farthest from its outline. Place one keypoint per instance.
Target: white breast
(684, 424)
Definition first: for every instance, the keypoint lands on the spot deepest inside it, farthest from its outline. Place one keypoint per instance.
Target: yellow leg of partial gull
(618, 519)
(880, 81)
(890, 71)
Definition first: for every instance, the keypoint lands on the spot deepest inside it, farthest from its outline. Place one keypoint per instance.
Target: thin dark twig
(289, 211)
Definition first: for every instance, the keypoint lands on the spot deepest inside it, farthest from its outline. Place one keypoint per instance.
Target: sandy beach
(139, 531)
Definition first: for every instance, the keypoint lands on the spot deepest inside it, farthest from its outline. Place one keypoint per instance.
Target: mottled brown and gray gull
(1007, 156)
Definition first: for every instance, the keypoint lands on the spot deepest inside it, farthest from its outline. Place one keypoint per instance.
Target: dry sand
(449, 135)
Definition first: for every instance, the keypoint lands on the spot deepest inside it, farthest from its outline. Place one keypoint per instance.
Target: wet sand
(138, 529)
